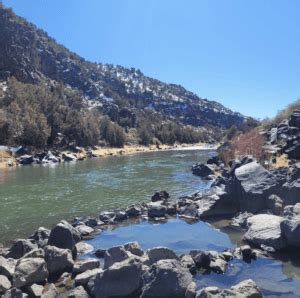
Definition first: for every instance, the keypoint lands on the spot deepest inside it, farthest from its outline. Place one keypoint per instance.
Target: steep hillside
(128, 97)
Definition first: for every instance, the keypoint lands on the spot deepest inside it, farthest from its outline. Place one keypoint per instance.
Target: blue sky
(244, 54)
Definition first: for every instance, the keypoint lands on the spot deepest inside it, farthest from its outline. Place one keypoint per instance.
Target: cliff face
(31, 56)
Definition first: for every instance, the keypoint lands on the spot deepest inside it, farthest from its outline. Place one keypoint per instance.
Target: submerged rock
(160, 196)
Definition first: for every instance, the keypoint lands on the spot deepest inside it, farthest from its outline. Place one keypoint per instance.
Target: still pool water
(275, 278)
(33, 196)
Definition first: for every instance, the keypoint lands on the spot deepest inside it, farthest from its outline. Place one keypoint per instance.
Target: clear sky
(244, 54)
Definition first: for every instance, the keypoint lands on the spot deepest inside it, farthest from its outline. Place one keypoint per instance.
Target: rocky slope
(32, 57)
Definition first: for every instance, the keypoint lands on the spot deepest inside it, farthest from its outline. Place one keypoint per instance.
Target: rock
(63, 235)
(216, 202)
(78, 292)
(29, 271)
(167, 278)
(86, 264)
(245, 289)
(133, 210)
(50, 291)
(219, 265)
(100, 253)
(290, 225)
(40, 236)
(254, 184)
(202, 170)
(68, 157)
(84, 230)
(247, 253)
(35, 290)
(295, 119)
(273, 135)
(291, 188)
(14, 293)
(241, 219)
(265, 229)
(189, 211)
(134, 248)
(4, 284)
(115, 254)
(156, 210)
(120, 216)
(20, 248)
(274, 203)
(191, 290)
(84, 277)
(160, 253)
(58, 260)
(7, 267)
(171, 208)
(36, 253)
(227, 255)
(122, 279)
(107, 216)
(25, 159)
(160, 196)
(50, 157)
(91, 222)
(188, 262)
(83, 247)
(202, 259)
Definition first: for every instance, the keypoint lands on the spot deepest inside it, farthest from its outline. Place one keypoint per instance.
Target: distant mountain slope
(32, 57)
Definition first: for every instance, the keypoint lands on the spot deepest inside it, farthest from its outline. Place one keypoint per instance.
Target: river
(34, 196)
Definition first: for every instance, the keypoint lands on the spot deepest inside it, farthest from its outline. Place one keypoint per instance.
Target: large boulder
(122, 279)
(20, 248)
(63, 235)
(29, 271)
(202, 170)
(245, 289)
(254, 184)
(58, 260)
(167, 278)
(216, 202)
(290, 226)
(264, 229)
(25, 159)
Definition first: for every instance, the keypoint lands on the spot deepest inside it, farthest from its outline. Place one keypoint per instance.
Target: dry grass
(282, 161)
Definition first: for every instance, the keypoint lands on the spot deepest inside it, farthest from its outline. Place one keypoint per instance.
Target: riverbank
(7, 160)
